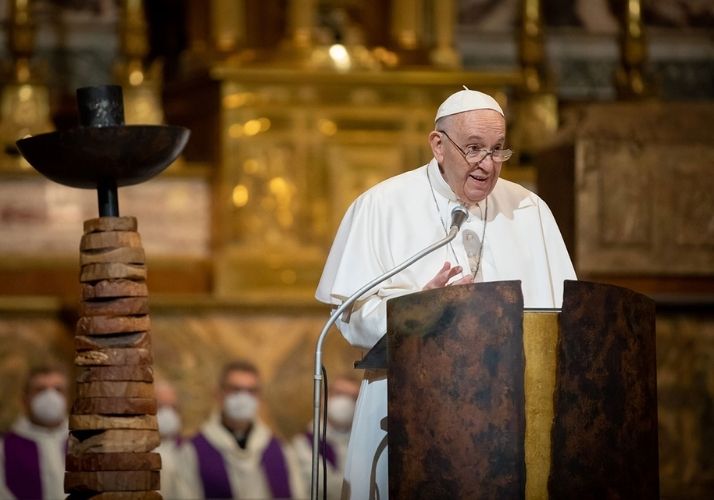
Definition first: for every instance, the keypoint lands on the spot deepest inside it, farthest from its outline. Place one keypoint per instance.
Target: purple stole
(330, 454)
(214, 476)
(22, 466)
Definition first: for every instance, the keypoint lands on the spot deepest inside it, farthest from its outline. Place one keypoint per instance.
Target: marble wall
(191, 343)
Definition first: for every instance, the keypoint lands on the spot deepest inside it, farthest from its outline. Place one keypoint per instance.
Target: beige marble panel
(644, 208)
(685, 393)
(190, 349)
(39, 218)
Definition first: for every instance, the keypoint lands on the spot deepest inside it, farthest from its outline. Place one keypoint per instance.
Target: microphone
(458, 216)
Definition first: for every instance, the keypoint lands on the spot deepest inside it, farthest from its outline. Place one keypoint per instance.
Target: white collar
(440, 186)
(25, 428)
(439, 183)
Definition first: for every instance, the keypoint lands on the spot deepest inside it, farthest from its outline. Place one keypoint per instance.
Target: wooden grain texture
(113, 289)
(103, 224)
(124, 255)
(114, 406)
(99, 325)
(114, 357)
(95, 342)
(78, 482)
(110, 239)
(604, 437)
(112, 461)
(456, 395)
(122, 389)
(102, 422)
(125, 306)
(111, 270)
(113, 441)
(139, 373)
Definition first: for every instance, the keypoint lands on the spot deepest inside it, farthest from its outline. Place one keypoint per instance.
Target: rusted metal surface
(604, 435)
(456, 395)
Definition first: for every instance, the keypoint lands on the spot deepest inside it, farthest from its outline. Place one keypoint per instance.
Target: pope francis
(510, 234)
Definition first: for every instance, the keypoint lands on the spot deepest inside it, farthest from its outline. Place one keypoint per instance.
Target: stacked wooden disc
(113, 427)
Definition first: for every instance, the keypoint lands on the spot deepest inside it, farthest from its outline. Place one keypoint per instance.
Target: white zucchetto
(466, 100)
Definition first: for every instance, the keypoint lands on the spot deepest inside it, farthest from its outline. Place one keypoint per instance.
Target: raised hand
(445, 274)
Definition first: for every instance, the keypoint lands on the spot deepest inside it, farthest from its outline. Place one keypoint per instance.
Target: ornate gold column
(405, 23)
(142, 89)
(227, 25)
(536, 112)
(297, 48)
(24, 103)
(444, 54)
(21, 38)
(630, 79)
(301, 20)
(532, 49)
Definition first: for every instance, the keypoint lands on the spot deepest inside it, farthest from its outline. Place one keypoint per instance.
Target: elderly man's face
(481, 129)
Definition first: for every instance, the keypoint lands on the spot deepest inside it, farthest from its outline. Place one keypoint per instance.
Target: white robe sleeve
(359, 254)
(299, 488)
(558, 263)
(188, 479)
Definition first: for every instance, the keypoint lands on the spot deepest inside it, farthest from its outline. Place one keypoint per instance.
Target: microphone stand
(458, 214)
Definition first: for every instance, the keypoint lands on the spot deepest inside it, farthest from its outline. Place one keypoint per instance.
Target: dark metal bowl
(85, 156)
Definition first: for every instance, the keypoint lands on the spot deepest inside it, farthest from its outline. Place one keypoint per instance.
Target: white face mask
(240, 405)
(340, 410)
(48, 407)
(169, 422)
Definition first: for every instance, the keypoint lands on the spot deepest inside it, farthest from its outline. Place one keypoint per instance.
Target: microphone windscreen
(458, 216)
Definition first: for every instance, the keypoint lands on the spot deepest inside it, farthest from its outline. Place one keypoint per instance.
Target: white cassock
(246, 475)
(170, 451)
(50, 451)
(393, 221)
(303, 451)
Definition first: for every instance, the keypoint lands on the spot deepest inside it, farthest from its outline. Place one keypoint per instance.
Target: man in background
(32, 452)
(235, 454)
(343, 391)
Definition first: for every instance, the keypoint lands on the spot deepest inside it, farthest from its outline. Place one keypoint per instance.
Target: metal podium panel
(456, 393)
(604, 437)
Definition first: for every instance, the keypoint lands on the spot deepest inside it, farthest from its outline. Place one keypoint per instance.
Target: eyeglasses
(472, 154)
